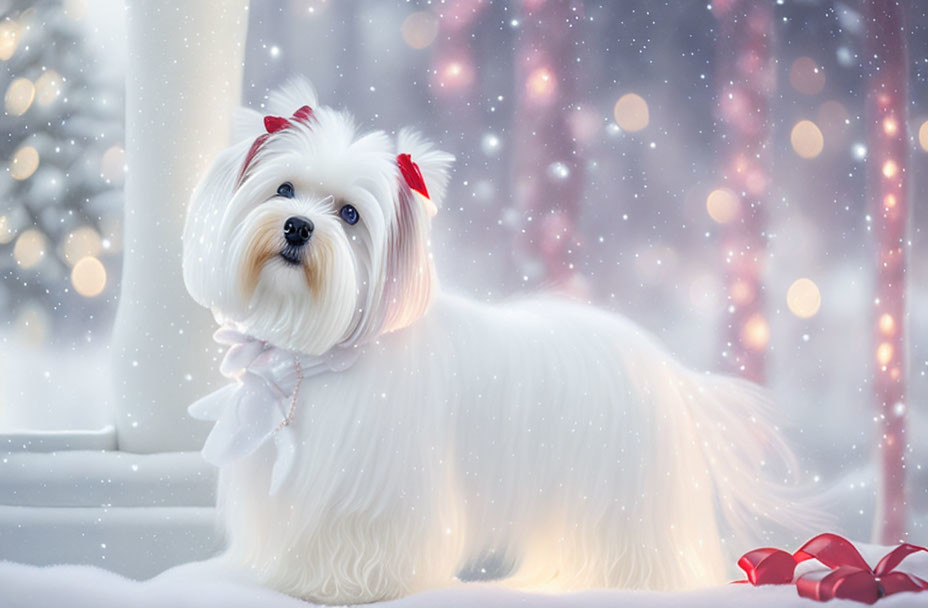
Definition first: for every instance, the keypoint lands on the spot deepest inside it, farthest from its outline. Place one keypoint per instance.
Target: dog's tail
(759, 491)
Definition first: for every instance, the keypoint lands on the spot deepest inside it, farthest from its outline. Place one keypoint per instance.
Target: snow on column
(548, 180)
(888, 202)
(747, 79)
(183, 81)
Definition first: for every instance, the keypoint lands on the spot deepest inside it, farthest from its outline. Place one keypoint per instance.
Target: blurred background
(700, 168)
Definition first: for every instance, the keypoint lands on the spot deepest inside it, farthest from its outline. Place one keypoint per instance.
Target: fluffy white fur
(557, 438)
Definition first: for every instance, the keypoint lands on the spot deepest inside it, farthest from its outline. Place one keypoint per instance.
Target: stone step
(53, 441)
(138, 542)
(106, 479)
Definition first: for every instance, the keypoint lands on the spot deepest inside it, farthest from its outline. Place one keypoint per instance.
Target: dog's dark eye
(349, 214)
(285, 190)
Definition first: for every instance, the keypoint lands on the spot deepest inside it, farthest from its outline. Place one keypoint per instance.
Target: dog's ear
(202, 259)
(409, 275)
(423, 168)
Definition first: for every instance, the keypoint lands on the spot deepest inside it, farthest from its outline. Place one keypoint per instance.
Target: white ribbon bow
(261, 402)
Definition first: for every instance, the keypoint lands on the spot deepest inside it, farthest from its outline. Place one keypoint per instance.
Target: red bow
(411, 174)
(848, 576)
(272, 124)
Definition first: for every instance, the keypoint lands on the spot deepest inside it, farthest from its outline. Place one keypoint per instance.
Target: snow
(24, 586)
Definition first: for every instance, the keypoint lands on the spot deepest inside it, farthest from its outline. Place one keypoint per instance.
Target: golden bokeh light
(80, 243)
(742, 292)
(113, 164)
(419, 29)
(755, 334)
(47, 88)
(803, 298)
(806, 76)
(884, 353)
(19, 96)
(631, 112)
(723, 205)
(25, 162)
(887, 324)
(9, 38)
(541, 83)
(88, 277)
(6, 230)
(923, 136)
(29, 248)
(807, 139)
(890, 169)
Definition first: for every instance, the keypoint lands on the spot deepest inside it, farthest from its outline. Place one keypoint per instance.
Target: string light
(890, 168)
(884, 353)
(887, 324)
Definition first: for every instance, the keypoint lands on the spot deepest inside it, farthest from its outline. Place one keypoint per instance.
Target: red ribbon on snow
(846, 576)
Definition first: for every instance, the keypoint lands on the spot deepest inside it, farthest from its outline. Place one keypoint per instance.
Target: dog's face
(307, 235)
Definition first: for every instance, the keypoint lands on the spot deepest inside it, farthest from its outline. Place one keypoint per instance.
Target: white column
(183, 80)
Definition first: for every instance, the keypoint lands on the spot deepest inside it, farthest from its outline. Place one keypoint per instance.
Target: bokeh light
(807, 139)
(48, 88)
(631, 112)
(884, 353)
(723, 205)
(890, 168)
(88, 277)
(806, 76)
(803, 298)
(755, 334)
(887, 324)
(419, 29)
(29, 248)
(25, 162)
(113, 164)
(541, 84)
(9, 39)
(19, 96)
(80, 243)
(923, 136)
(6, 230)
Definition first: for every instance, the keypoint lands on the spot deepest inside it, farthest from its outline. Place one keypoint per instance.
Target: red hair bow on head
(273, 124)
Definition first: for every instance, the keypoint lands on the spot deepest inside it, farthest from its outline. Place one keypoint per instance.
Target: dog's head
(309, 235)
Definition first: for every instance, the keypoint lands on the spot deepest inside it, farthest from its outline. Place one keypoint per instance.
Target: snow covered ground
(24, 586)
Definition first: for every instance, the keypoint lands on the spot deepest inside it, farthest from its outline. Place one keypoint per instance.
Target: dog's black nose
(297, 231)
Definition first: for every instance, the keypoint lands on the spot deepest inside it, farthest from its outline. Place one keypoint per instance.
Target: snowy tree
(62, 150)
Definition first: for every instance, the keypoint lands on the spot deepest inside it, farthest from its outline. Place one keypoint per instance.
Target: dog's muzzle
(297, 232)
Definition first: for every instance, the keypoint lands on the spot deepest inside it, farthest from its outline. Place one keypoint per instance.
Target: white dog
(381, 435)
